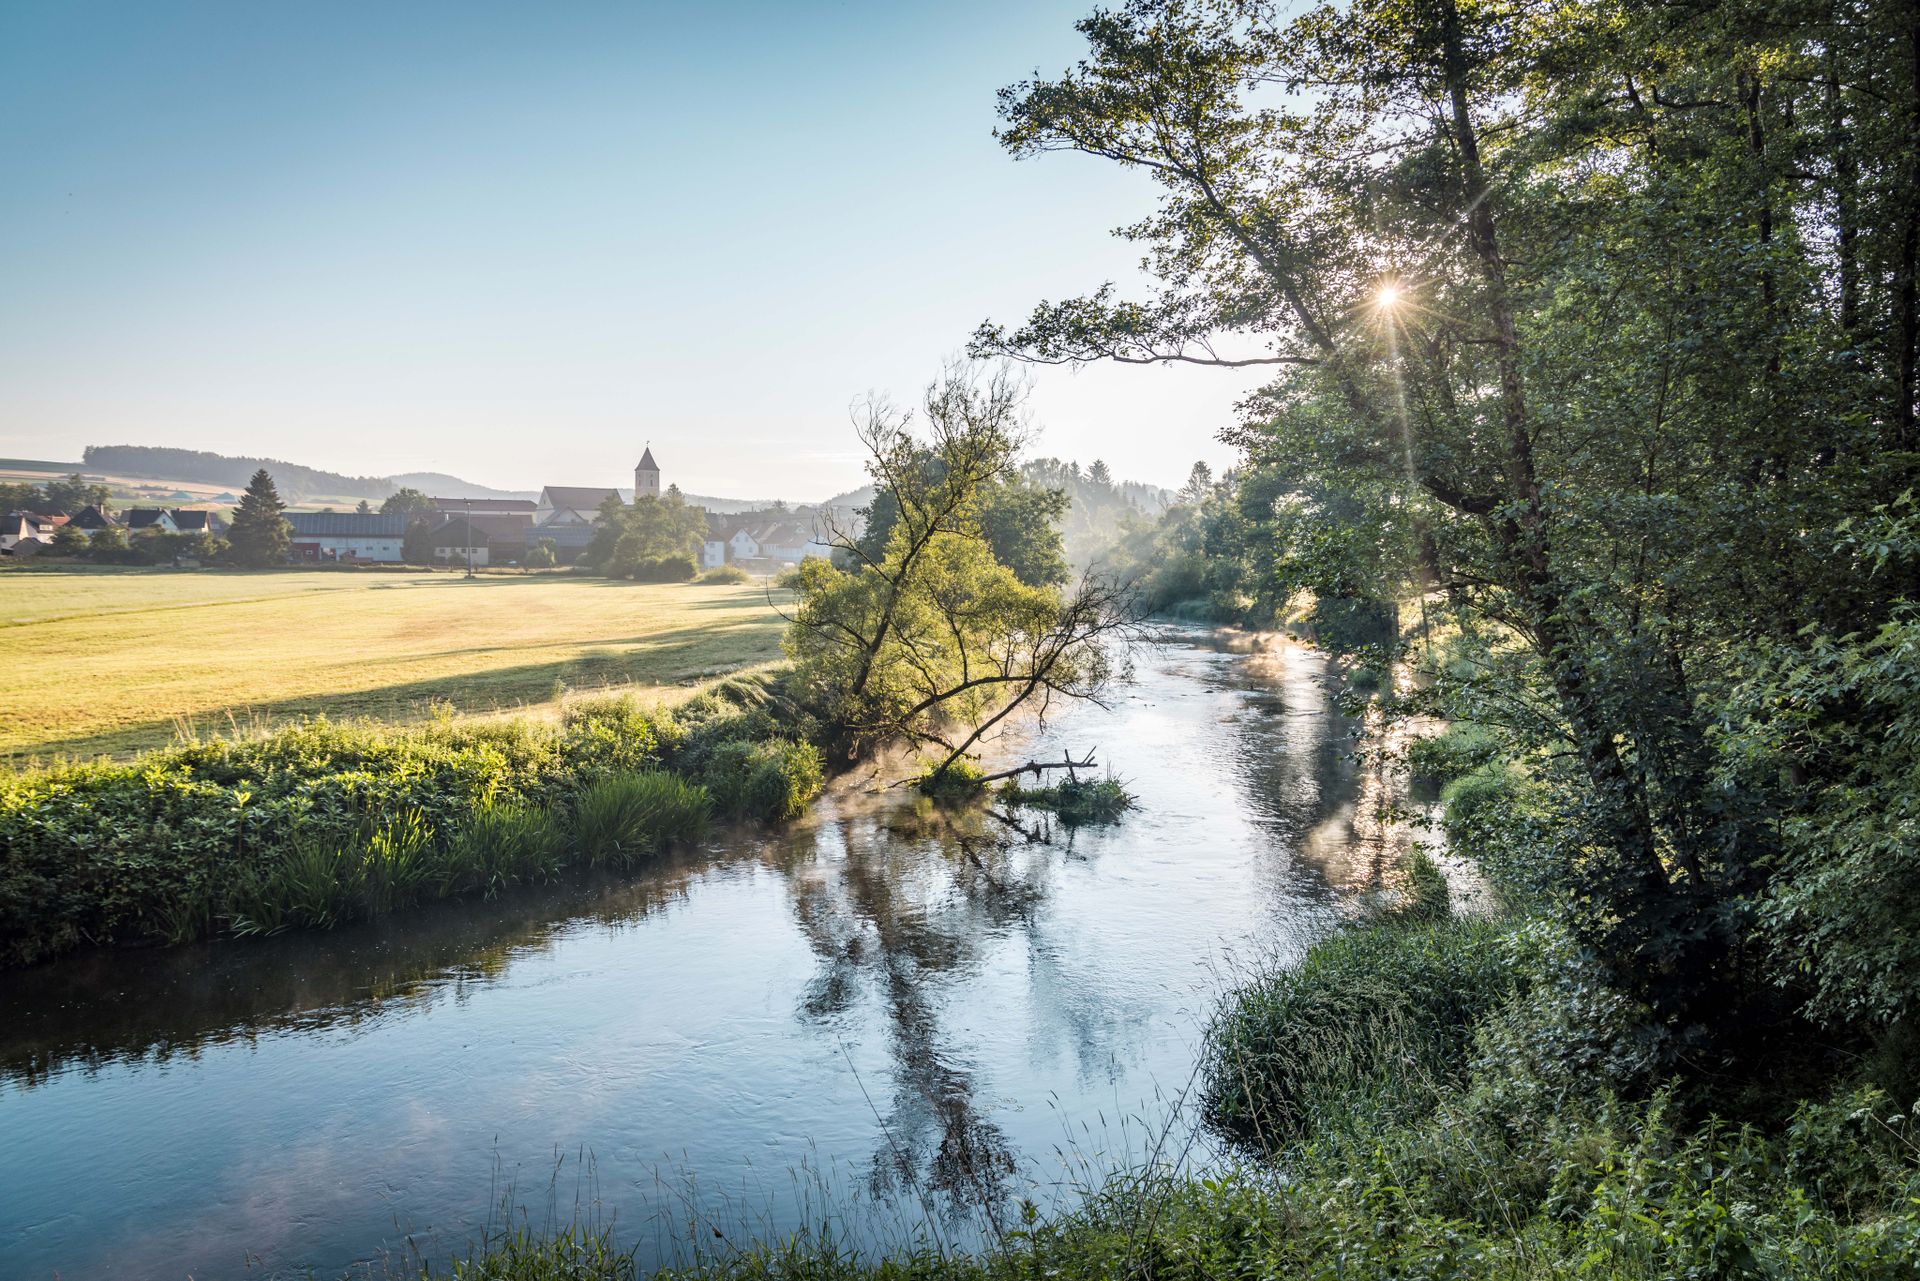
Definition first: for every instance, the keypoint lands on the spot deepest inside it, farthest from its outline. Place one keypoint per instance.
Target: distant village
(479, 532)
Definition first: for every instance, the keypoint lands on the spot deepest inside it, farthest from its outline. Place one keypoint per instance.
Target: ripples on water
(883, 1011)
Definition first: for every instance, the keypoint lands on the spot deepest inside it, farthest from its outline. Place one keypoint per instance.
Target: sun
(1387, 296)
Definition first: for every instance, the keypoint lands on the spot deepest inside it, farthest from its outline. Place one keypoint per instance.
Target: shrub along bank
(325, 823)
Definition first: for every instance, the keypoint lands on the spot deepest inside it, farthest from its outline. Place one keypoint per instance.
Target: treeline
(61, 496)
(233, 472)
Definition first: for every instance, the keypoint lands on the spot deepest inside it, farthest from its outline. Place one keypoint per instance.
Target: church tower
(646, 477)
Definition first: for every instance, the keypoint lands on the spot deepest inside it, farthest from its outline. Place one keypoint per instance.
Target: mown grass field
(113, 660)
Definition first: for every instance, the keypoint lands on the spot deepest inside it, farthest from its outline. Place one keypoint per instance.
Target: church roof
(580, 498)
(646, 461)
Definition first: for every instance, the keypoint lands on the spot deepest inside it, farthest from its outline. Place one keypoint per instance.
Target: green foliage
(68, 541)
(1373, 1025)
(625, 818)
(1076, 802)
(1845, 710)
(663, 569)
(259, 534)
(724, 576)
(1426, 895)
(575, 1252)
(541, 555)
(1019, 520)
(416, 545)
(108, 545)
(957, 783)
(1459, 749)
(655, 540)
(406, 502)
(1505, 821)
(502, 844)
(1608, 363)
(71, 495)
(769, 779)
(322, 823)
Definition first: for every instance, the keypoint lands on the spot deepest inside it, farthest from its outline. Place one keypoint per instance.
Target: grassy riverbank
(108, 659)
(324, 823)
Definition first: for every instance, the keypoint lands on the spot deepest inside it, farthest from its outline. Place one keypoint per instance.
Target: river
(883, 1018)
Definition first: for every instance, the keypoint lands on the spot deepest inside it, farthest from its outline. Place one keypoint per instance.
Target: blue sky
(518, 241)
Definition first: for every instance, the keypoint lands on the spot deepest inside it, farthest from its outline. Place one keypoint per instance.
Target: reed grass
(626, 818)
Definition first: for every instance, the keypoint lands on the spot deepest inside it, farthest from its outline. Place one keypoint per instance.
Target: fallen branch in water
(1035, 768)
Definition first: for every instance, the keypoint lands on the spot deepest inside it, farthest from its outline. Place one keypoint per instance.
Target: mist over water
(901, 1018)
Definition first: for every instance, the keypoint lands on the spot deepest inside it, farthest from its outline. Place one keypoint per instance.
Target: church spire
(646, 476)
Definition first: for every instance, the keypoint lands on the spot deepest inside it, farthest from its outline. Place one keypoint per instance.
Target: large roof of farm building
(346, 525)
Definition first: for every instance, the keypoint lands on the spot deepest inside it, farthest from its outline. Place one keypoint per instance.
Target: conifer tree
(260, 535)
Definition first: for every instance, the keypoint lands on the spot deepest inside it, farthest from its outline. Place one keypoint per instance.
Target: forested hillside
(295, 481)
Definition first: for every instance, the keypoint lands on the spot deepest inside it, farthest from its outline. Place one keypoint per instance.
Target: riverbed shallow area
(885, 1014)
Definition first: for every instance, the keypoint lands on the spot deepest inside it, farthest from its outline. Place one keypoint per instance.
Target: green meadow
(108, 660)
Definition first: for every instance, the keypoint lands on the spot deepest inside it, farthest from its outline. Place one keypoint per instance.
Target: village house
(571, 504)
(497, 538)
(197, 520)
(141, 519)
(347, 536)
(90, 520)
(33, 527)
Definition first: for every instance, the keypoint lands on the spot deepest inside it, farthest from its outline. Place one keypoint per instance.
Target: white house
(141, 519)
(28, 527)
(335, 536)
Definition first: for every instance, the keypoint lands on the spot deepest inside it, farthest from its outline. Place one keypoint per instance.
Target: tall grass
(320, 881)
(626, 818)
(501, 845)
(1371, 1026)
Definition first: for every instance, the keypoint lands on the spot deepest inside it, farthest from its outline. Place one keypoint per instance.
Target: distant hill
(852, 499)
(295, 482)
(441, 485)
(154, 462)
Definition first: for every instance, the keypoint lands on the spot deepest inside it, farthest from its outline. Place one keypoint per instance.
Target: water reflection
(940, 1005)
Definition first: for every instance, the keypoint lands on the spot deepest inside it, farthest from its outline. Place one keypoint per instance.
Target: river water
(884, 1018)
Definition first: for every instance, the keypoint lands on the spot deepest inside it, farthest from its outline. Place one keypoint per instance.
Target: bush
(625, 818)
(770, 780)
(183, 842)
(721, 575)
(958, 783)
(1077, 802)
(1496, 815)
(664, 569)
(1372, 1025)
(1460, 749)
(614, 736)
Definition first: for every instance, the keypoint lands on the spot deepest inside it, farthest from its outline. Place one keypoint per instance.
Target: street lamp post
(469, 513)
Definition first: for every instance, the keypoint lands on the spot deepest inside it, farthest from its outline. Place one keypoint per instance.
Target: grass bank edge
(321, 823)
